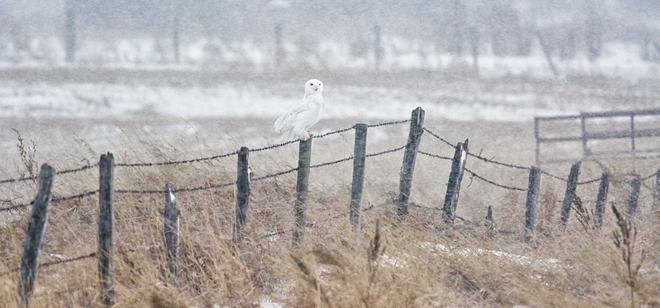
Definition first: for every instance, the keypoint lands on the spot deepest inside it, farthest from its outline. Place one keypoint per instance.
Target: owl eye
(311, 84)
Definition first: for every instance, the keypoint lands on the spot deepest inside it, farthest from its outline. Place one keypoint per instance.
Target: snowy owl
(297, 121)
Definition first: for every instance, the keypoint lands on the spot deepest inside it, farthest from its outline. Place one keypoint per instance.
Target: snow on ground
(99, 100)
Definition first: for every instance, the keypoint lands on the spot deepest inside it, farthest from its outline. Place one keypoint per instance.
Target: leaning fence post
(532, 204)
(414, 139)
(569, 196)
(302, 187)
(454, 183)
(106, 226)
(656, 192)
(172, 214)
(601, 199)
(359, 157)
(242, 191)
(633, 197)
(35, 233)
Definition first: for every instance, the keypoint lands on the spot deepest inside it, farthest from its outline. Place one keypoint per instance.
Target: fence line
(106, 191)
(510, 165)
(201, 159)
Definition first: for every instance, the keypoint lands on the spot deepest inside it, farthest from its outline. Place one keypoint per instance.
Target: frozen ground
(190, 94)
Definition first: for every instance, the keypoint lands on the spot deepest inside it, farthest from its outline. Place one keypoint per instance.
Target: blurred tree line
(460, 27)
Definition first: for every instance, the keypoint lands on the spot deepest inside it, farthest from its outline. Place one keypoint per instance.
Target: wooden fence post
(569, 196)
(35, 234)
(633, 197)
(242, 191)
(601, 199)
(532, 204)
(656, 191)
(106, 226)
(302, 188)
(407, 170)
(454, 183)
(172, 223)
(359, 158)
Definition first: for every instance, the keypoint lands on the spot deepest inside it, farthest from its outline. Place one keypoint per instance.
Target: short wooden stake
(601, 199)
(302, 188)
(242, 191)
(35, 234)
(408, 168)
(172, 224)
(454, 183)
(656, 191)
(569, 196)
(532, 204)
(359, 158)
(490, 222)
(633, 197)
(106, 226)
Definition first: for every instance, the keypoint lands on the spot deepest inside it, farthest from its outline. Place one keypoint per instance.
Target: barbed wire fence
(245, 178)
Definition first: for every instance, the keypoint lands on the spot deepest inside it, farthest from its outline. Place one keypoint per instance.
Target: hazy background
(521, 36)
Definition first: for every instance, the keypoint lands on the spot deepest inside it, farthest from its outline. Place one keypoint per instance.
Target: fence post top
(244, 150)
(107, 155)
(47, 168)
(361, 126)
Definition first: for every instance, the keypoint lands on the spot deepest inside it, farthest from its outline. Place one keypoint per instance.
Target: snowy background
(462, 60)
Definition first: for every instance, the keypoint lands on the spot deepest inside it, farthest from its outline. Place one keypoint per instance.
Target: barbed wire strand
(54, 200)
(176, 162)
(65, 171)
(477, 176)
(434, 155)
(53, 263)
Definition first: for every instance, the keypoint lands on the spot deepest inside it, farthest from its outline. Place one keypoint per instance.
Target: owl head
(313, 86)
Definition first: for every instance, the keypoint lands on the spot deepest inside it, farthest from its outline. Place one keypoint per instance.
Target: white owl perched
(295, 124)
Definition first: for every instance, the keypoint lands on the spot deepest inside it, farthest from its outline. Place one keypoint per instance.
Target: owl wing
(289, 119)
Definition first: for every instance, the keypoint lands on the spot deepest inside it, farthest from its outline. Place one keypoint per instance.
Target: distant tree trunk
(593, 32)
(458, 25)
(474, 48)
(176, 35)
(548, 54)
(378, 48)
(567, 48)
(279, 46)
(70, 31)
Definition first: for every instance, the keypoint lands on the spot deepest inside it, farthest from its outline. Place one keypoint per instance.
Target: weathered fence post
(242, 191)
(569, 196)
(35, 234)
(601, 199)
(532, 204)
(359, 158)
(172, 214)
(302, 187)
(633, 197)
(106, 226)
(454, 183)
(408, 168)
(656, 192)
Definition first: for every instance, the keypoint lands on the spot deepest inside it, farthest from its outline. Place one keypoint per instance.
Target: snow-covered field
(501, 99)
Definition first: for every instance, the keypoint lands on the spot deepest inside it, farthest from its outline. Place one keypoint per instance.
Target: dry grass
(418, 262)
